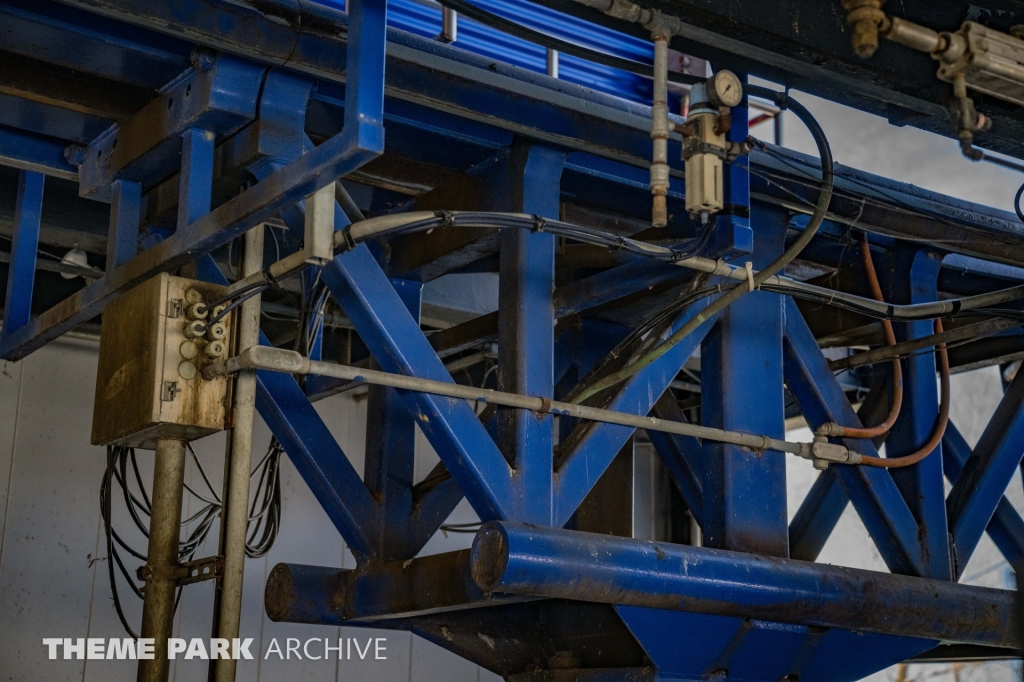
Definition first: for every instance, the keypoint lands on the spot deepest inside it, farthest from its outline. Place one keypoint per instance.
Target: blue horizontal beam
(510, 558)
(338, 156)
(220, 98)
(28, 151)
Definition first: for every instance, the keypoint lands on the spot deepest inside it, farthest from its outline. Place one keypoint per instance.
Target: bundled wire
(264, 514)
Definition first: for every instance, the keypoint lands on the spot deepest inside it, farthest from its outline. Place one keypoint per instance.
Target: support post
(125, 214)
(236, 493)
(162, 556)
(744, 492)
(526, 325)
(21, 272)
(390, 461)
(921, 484)
(195, 189)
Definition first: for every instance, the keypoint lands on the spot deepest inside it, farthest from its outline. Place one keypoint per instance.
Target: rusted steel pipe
(162, 556)
(236, 489)
(330, 596)
(514, 558)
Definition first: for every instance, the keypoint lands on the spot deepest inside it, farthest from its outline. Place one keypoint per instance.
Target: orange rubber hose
(890, 339)
(938, 431)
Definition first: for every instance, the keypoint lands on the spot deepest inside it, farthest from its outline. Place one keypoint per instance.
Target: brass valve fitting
(865, 18)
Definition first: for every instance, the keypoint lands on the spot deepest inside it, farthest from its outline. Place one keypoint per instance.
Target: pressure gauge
(725, 89)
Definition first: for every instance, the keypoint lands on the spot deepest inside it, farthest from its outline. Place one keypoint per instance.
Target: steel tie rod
(291, 362)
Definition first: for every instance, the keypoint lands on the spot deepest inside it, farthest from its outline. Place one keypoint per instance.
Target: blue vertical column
(744, 492)
(915, 274)
(391, 456)
(526, 324)
(364, 70)
(21, 273)
(125, 214)
(195, 184)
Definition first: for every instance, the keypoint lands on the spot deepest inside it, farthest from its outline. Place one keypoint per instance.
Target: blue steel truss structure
(200, 119)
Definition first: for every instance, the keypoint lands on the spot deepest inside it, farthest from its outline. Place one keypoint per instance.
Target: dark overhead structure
(632, 222)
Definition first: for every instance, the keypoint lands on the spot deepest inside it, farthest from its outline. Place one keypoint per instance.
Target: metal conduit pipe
(422, 221)
(357, 233)
(517, 559)
(291, 362)
(236, 493)
(376, 227)
(659, 133)
(162, 556)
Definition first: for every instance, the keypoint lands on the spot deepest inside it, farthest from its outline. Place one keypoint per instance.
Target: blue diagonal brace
(817, 517)
(318, 458)
(682, 457)
(872, 491)
(818, 514)
(987, 472)
(397, 344)
(593, 445)
(1006, 528)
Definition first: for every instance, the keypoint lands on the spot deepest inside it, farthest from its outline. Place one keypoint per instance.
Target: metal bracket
(170, 391)
(186, 573)
(174, 308)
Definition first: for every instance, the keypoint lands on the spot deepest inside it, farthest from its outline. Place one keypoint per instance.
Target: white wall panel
(52, 514)
(49, 488)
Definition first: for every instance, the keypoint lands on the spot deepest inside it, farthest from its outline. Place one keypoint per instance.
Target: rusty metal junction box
(155, 341)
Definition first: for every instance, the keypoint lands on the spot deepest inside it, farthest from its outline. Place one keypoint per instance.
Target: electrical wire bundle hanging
(264, 514)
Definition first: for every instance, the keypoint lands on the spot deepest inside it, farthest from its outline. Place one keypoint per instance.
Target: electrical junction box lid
(149, 384)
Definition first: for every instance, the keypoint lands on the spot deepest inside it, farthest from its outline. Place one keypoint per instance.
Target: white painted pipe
(291, 362)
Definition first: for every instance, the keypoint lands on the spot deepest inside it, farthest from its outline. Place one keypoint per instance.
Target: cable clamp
(545, 407)
(271, 280)
(749, 267)
(447, 218)
(185, 573)
(350, 243)
(539, 223)
(782, 99)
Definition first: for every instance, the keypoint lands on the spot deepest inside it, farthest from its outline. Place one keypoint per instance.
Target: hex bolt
(195, 329)
(216, 332)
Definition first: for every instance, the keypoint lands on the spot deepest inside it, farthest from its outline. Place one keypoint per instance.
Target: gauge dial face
(726, 89)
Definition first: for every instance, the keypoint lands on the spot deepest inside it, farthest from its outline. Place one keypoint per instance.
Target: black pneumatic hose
(783, 101)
